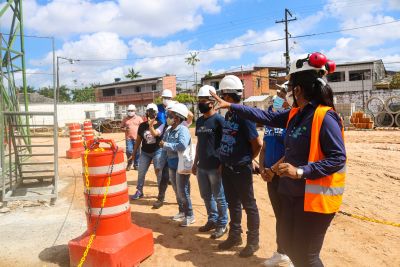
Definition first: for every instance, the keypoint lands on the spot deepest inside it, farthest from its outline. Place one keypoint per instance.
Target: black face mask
(204, 107)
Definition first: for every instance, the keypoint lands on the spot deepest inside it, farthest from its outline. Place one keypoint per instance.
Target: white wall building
(68, 113)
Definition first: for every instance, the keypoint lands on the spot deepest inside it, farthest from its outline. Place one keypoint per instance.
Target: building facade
(256, 81)
(139, 92)
(357, 76)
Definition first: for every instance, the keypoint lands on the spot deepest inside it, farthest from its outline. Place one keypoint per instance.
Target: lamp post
(71, 61)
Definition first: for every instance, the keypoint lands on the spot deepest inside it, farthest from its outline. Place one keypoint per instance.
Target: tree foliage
(133, 75)
(209, 74)
(185, 98)
(83, 95)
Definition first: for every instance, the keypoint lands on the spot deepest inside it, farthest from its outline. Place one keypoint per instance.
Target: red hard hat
(317, 60)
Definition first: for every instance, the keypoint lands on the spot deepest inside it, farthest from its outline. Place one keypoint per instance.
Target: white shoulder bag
(186, 159)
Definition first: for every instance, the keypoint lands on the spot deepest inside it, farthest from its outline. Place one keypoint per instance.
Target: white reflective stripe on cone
(112, 189)
(88, 134)
(110, 210)
(105, 169)
(75, 142)
(75, 131)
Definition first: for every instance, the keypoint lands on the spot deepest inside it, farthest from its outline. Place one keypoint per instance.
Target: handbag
(186, 159)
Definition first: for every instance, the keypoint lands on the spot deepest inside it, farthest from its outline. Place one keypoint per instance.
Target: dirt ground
(36, 234)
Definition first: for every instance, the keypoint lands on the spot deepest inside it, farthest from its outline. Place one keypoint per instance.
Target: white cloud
(125, 17)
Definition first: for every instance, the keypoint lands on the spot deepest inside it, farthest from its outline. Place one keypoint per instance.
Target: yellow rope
(369, 219)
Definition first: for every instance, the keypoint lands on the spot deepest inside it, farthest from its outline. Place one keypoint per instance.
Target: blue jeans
(181, 185)
(212, 192)
(144, 164)
(130, 144)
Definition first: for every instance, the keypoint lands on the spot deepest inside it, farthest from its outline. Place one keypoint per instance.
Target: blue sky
(140, 31)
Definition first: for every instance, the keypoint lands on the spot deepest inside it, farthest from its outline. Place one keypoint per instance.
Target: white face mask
(290, 99)
(131, 113)
(166, 102)
(170, 121)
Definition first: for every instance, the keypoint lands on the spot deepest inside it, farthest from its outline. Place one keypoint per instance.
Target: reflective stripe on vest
(323, 195)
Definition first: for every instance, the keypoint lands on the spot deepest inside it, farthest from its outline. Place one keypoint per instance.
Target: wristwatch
(299, 173)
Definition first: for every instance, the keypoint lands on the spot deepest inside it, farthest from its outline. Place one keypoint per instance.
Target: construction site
(65, 189)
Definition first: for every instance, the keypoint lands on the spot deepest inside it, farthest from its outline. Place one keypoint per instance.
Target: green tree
(133, 75)
(395, 83)
(192, 60)
(29, 89)
(185, 98)
(83, 95)
(209, 74)
(64, 94)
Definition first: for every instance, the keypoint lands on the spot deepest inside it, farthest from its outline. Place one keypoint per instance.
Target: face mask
(278, 103)
(204, 107)
(170, 121)
(131, 113)
(290, 99)
(166, 101)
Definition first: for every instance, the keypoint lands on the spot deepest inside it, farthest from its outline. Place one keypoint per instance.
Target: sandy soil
(36, 234)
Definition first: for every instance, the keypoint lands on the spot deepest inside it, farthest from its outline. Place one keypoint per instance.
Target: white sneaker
(178, 217)
(188, 220)
(277, 259)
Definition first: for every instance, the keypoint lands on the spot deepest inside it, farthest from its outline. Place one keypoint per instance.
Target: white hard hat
(166, 93)
(131, 107)
(180, 109)
(153, 107)
(231, 84)
(171, 104)
(283, 86)
(204, 91)
(305, 66)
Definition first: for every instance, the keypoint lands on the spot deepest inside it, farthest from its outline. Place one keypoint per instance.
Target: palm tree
(192, 60)
(133, 75)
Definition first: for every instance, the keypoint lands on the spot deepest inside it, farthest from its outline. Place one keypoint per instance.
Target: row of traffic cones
(75, 138)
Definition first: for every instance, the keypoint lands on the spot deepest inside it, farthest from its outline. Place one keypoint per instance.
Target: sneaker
(128, 167)
(276, 260)
(207, 227)
(219, 232)
(188, 220)
(137, 195)
(231, 242)
(248, 250)
(135, 167)
(158, 204)
(178, 217)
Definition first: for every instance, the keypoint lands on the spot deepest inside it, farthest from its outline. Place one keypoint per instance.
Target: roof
(125, 83)
(361, 62)
(256, 98)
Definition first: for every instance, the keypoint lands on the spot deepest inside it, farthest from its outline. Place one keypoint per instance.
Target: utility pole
(286, 21)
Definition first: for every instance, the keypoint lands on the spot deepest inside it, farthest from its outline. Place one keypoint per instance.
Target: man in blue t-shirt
(240, 144)
(207, 165)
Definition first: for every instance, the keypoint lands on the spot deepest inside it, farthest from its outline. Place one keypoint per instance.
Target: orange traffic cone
(88, 130)
(75, 140)
(111, 239)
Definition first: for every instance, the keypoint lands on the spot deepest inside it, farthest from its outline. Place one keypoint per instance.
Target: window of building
(258, 82)
(138, 89)
(153, 87)
(109, 92)
(215, 85)
(336, 77)
(119, 91)
(358, 75)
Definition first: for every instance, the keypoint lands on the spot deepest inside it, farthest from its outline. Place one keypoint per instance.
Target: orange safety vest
(322, 195)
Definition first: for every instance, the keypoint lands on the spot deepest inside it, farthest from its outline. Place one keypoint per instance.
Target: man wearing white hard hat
(149, 137)
(207, 165)
(130, 125)
(166, 97)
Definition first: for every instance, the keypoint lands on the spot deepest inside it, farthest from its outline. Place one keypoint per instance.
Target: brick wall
(169, 82)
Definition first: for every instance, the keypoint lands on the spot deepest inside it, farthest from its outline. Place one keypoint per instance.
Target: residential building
(256, 81)
(357, 76)
(139, 92)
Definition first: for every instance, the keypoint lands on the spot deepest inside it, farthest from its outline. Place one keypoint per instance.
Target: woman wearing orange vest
(312, 177)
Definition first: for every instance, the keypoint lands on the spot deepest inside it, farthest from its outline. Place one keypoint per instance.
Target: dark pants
(302, 232)
(238, 186)
(276, 206)
(163, 183)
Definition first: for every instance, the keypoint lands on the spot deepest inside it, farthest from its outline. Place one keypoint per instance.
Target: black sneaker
(219, 232)
(207, 227)
(135, 167)
(231, 242)
(249, 250)
(158, 204)
(128, 167)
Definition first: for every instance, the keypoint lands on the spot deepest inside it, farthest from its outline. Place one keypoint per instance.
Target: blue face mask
(278, 103)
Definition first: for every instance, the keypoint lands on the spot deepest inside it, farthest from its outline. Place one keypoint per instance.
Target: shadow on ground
(200, 250)
(57, 254)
